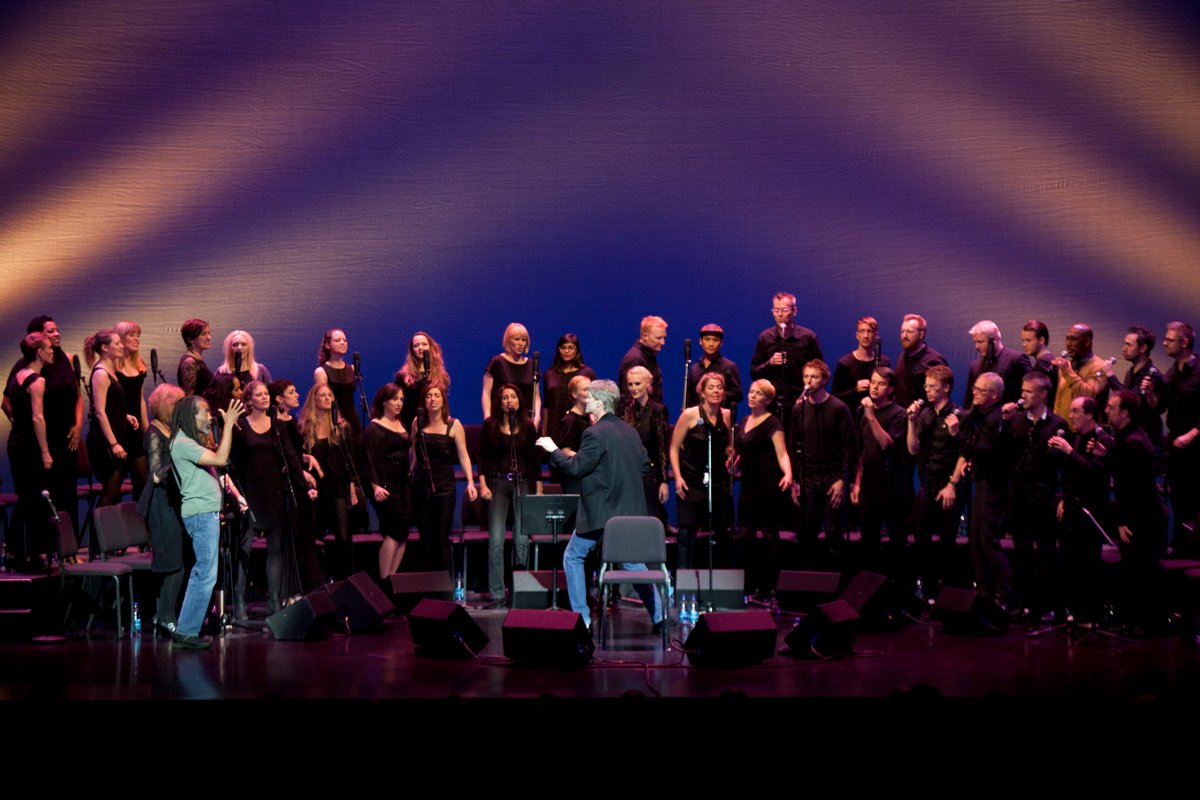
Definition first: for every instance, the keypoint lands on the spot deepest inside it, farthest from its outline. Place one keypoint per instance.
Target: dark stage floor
(382, 666)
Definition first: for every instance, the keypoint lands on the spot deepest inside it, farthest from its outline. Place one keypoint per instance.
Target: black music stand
(549, 513)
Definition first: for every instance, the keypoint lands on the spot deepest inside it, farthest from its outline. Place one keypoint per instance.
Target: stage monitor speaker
(409, 588)
(965, 612)
(531, 589)
(729, 586)
(803, 590)
(827, 631)
(441, 629)
(307, 618)
(732, 639)
(361, 603)
(547, 638)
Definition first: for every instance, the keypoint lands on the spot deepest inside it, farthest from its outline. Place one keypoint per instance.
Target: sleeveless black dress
(693, 511)
(103, 463)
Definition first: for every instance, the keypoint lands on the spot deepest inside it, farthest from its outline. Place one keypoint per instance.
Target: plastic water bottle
(460, 591)
(693, 612)
(135, 627)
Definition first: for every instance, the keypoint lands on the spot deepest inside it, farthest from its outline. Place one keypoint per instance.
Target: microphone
(803, 395)
(537, 357)
(50, 502)
(425, 362)
(77, 368)
(512, 420)
(1110, 360)
(879, 352)
(335, 414)
(1060, 433)
(237, 363)
(154, 361)
(357, 363)
(1021, 403)
(1065, 354)
(687, 350)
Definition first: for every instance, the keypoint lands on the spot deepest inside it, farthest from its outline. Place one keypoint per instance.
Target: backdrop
(387, 167)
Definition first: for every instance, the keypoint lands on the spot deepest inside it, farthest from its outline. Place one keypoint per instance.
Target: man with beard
(1143, 379)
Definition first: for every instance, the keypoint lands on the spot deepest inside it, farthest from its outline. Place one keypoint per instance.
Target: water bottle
(135, 626)
(460, 591)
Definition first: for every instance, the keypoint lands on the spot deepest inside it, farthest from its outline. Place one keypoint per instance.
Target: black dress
(344, 385)
(99, 453)
(557, 399)
(520, 375)
(433, 494)
(387, 466)
(568, 435)
(131, 387)
(693, 510)
(193, 374)
(29, 476)
(759, 501)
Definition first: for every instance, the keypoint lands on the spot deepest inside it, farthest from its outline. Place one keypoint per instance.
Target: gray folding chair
(635, 540)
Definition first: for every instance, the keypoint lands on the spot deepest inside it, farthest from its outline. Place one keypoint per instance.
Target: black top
(821, 440)
(343, 384)
(650, 422)
(756, 452)
(910, 373)
(568, 435)
(983, 446)
(22, 411)
(1035, 465)
(193, 374)
(557, 399)
(641, 356)
(520, 375)
(1147, 418)
(437, 453)
(848, 372)
(387, 457)
(695, 453)
(1085, 475)
(131, 386)
(59, 399)
(880, 467)
(114, 409)
(1045, 365)
(256, 458)
(1010, 365)
(799, 344)
(336, 482)
(496, 451)
(939, 450)
(1181, 398)
(1134, 486)
(723, 367)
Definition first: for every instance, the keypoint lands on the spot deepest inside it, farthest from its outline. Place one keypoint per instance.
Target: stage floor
(383, 666)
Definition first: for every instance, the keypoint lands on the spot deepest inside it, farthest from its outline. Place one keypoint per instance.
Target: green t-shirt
(199, 487)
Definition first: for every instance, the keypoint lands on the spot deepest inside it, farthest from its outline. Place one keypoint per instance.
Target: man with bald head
(1080, 371)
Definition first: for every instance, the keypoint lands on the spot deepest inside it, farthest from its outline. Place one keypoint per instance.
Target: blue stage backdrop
(388, 167)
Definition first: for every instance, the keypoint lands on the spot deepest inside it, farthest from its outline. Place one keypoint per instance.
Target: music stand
(552, 513)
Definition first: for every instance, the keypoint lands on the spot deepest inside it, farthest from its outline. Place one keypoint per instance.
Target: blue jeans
(577, 550)
(205, 530)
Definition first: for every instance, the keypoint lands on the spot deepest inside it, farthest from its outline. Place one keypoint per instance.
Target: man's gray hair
(606, 394)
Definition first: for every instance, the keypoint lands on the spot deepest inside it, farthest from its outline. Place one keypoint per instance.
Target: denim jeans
(577, 550)
(205, 530)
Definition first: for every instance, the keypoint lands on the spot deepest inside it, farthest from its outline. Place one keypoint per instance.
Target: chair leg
(603, 609)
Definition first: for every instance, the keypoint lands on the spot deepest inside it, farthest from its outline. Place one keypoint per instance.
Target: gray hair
(985, 327)
(992, 382)
(606, 394)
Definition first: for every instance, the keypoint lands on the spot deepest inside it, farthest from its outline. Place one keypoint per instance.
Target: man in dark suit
(994, 357)
(610, 462)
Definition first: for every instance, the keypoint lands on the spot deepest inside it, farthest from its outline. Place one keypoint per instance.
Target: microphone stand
(226, 538)
(355, 479)
(516, 479)
(291, 508)
(362, 391)
(708, 484)
(687, 370)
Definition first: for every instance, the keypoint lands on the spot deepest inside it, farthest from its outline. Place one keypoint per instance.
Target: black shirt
(723, 367)
(939, 449)
(910, 373)
(799, 344)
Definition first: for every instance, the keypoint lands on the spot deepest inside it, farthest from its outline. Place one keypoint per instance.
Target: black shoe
(660, 626)
(185, 642)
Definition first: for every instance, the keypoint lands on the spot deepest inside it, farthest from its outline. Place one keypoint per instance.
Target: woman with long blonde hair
(414, 378)
(239, 359)
(131, 374)
(328, 444)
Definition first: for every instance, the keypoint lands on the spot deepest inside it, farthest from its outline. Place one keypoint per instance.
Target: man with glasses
(781, 353)
(1180, 398)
